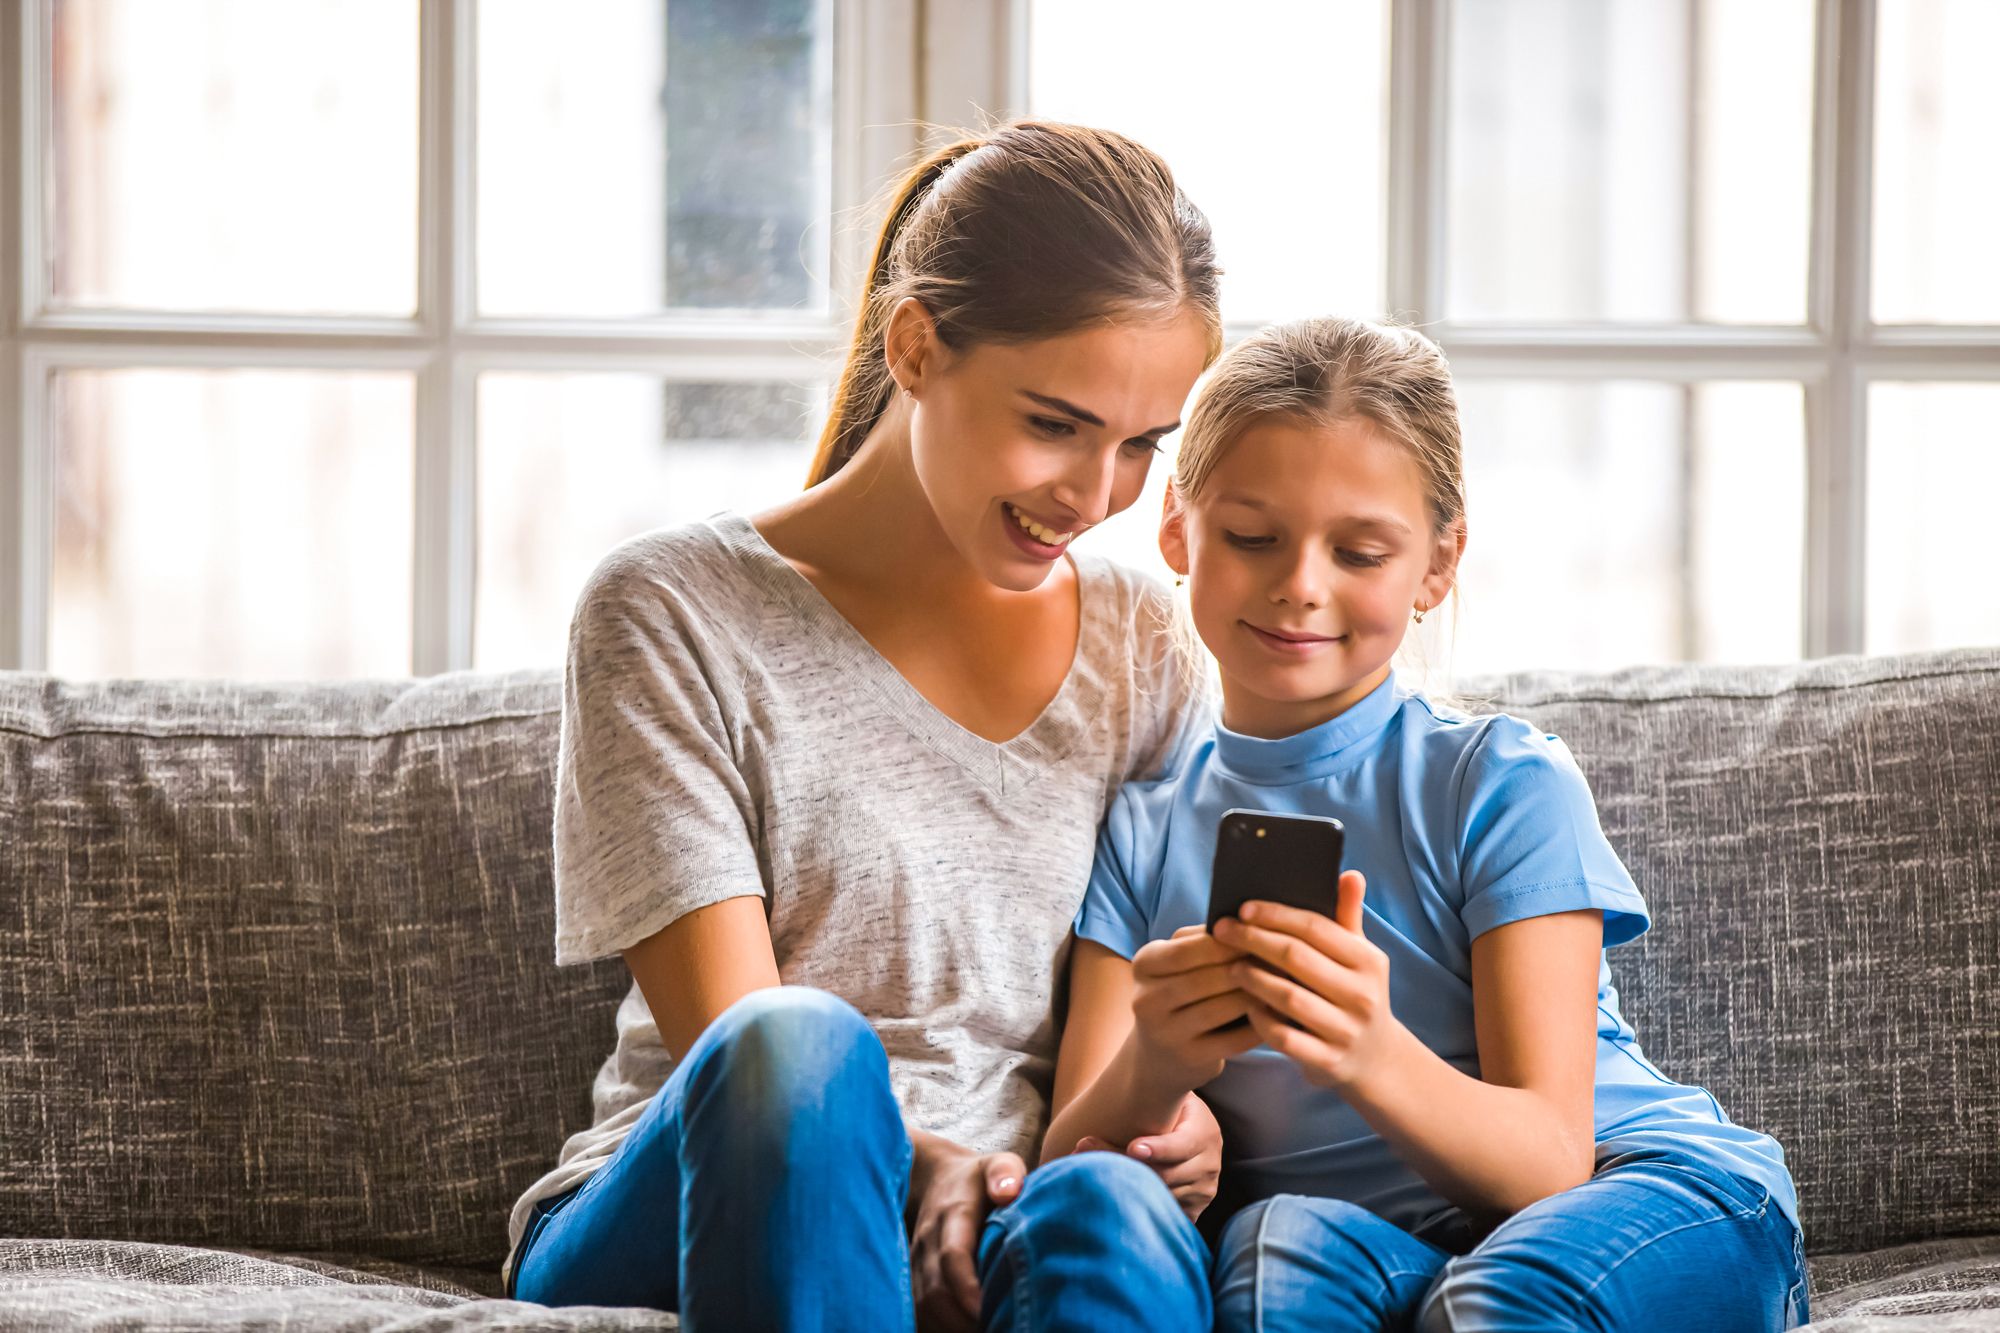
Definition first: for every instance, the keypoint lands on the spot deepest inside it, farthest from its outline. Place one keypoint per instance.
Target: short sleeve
(1113, 912)
(653, 818)
(1529, 839)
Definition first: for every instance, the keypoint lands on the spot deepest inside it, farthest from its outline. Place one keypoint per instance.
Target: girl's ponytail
(864, 383)
(1042, 229)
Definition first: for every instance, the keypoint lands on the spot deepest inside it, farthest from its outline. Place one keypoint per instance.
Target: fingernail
(1142, 1150)
(1006, 1183)
(1248, 912)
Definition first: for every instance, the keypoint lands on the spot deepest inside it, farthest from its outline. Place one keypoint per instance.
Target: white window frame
(900, 63)
(883, 86)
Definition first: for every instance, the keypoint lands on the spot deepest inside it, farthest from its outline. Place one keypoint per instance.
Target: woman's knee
(785, 1049)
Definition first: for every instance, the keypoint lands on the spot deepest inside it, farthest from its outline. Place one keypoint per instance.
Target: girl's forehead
(1298, 467)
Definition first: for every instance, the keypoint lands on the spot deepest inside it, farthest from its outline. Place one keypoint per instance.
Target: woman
(829, 780)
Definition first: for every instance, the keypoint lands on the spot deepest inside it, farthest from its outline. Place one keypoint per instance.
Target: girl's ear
(910, 344)
(1173, 532)
(1445, 555)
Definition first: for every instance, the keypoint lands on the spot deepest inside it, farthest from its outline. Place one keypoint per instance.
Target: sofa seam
(412, 729)
(1796, 687)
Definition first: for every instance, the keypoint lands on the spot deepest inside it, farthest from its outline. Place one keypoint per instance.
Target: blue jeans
(1652, 1240)
(764, 1187)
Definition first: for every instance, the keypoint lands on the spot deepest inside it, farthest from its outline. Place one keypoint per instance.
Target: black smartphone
(1290, 859)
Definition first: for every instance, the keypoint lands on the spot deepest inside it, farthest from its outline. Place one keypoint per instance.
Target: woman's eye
(1051, 427)
(1362, 559)
(1246, 543)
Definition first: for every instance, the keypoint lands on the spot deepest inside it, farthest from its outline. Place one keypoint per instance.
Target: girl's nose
(1303, 583)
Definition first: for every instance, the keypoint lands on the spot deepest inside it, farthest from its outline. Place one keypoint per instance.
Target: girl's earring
(1179, 582)
(1420, 614)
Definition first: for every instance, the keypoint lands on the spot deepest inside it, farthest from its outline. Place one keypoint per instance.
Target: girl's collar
(1312, 752)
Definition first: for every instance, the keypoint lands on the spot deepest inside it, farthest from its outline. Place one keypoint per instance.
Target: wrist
(1154, 1080)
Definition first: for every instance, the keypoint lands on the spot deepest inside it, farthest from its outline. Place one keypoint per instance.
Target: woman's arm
(700, 965)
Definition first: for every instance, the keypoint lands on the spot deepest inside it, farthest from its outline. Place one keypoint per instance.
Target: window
(1715, 280)
(341, 338)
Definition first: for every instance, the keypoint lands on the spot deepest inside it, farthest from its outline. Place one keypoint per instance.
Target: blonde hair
(1031, 230)
(1322, 373)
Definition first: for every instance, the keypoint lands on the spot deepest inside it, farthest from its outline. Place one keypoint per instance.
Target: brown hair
(1031, 230)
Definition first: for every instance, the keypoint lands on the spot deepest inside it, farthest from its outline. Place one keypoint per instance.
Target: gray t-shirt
(726, 732)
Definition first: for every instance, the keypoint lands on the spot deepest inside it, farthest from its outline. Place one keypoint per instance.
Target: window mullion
(15, 529)
(1836, 419)
(1414, 270)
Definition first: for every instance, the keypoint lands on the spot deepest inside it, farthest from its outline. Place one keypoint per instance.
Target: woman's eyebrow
(1091, 417)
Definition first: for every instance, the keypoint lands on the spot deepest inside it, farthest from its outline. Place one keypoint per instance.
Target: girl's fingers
(1292, 955)
(1293, 1001)
(1195, 1020)
(1227, 1044)
(1187, 950)
(1345, 945)
(1294, 1043)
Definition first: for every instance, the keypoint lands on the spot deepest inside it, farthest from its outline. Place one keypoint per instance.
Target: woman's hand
(1188, 1157)
(1329, 1011)
(951, 1191)
(1185, 995)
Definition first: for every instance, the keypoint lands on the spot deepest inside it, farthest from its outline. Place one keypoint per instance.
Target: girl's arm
(1494, 1144)
(1140, 1036)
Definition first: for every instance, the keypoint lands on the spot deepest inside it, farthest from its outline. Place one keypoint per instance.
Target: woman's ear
(1446, 552)
(910, 344)
(1173, 531)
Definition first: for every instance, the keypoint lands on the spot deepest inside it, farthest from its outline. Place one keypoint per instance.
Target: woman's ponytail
(863, 392)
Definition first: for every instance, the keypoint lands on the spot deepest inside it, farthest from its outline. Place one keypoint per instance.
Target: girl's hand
(1185, 992)
(951, 1190)
(1330, 1012)
(1188, 1156)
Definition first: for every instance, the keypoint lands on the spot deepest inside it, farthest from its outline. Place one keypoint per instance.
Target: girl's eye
(1144, 445)
(1364, 561)
(1051, 427)
(1242, 542)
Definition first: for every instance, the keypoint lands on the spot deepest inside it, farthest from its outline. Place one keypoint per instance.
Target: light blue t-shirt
(1460, 824)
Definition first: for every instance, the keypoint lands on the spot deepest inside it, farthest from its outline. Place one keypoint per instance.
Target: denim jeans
(1652, 1240)
(762, 1188)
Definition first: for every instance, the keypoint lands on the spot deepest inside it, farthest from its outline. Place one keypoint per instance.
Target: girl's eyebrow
(1091, 417)
(1386, 522)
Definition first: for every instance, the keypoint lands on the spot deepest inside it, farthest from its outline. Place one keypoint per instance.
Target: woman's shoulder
(701, 567)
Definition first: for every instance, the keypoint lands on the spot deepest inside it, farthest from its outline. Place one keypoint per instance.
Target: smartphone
(1290, 859)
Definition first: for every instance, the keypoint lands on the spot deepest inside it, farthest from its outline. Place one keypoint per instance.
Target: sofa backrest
(1819, 845)
(276, 962)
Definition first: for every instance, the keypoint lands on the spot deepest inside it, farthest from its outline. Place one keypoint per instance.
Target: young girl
(1435, 1116)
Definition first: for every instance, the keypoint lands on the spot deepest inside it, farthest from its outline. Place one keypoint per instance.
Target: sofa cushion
(276, 963)
(1820, 847)
(79, 1285)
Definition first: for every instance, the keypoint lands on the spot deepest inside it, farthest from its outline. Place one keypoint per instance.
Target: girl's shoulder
(1481, 751)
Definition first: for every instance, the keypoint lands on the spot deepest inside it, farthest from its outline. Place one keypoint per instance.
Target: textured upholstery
(276, 976)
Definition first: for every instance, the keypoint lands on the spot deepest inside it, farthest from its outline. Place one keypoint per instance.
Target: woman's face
(1020, 447)
(1306, 552)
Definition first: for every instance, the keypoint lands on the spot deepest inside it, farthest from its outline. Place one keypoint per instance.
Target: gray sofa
(281, 1039)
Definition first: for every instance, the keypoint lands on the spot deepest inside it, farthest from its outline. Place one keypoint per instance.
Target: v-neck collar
(1002, 766)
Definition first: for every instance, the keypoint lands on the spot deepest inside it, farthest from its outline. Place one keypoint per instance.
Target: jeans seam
(1651, 1240)
(1257, 1269)
(1017, 1253)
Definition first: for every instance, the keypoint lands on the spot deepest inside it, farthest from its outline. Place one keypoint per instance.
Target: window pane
(1280, 142)
(644, 155)
(571, 465)
(1628, 522)
(236, 155)
(1937, 162)
(1933, 470)
(239, 523)
(1629, 160)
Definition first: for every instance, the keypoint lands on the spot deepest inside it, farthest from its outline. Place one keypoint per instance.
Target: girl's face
(1020, 447)
(1306, 553)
